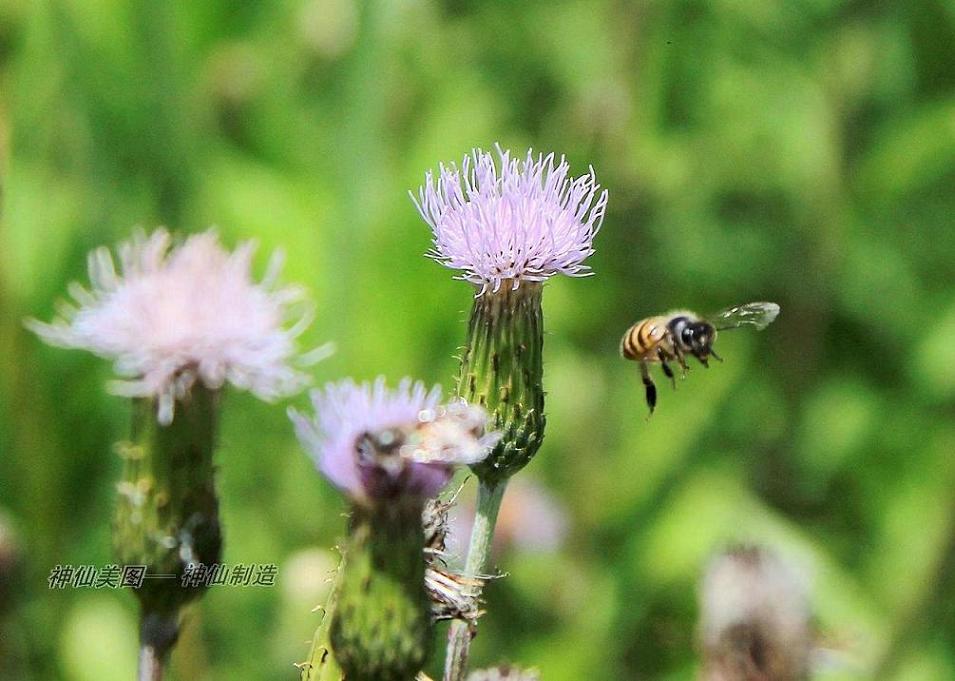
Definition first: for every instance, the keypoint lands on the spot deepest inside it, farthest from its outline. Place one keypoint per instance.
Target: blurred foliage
(802, 152)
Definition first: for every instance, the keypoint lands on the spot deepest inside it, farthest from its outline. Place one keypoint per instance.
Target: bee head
(699, 337)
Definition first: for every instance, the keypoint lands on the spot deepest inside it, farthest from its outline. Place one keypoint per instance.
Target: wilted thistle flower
(452, 595)
(173, 316)
(389, 451)
(755, 619)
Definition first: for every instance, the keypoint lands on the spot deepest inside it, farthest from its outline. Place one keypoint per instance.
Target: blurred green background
(802, 152)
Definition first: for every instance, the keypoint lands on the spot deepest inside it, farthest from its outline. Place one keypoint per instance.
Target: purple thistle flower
(176, 315)
(372, 442)
(527, 222)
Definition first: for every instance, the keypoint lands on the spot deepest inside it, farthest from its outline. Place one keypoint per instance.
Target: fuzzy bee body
(671, 337)
(652, 339)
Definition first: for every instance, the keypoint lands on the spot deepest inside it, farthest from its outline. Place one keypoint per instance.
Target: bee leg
(716, 357)
(666, 368)
(669, 373)
(649, 385)
(682, 360)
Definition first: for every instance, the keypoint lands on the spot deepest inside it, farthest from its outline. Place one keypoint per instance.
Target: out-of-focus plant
(802, 152)
(755, 618)
(179, 323)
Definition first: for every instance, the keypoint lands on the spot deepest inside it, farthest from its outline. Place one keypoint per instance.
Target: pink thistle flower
(175, 315)
(372, 442)
(526, 222)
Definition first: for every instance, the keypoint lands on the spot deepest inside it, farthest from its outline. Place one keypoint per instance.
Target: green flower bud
(501, 370)
(381, 628)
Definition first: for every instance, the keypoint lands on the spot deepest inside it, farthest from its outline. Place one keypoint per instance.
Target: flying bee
(673, 336)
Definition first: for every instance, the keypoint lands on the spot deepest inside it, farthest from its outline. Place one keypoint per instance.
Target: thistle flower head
(373, 443)
(525, 221)
(174, 315)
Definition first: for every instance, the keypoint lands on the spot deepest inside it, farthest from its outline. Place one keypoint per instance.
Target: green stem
(489, 499)
(167, 516)
(157, 635)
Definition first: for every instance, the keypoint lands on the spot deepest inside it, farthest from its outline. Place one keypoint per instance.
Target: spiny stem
(489, 499)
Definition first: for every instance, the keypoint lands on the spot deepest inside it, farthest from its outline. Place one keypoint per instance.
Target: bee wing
(759, 315)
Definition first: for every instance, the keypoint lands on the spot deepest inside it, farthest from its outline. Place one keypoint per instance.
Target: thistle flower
(507, 230)
(754, 618)
(176, 315)
(526, 222)
(372, 442)
(388, 451)
(179, 323)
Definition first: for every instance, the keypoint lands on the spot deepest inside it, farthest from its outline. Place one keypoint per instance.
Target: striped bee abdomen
(641, 340)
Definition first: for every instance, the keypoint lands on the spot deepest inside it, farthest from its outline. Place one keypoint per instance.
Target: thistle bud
(502, 370)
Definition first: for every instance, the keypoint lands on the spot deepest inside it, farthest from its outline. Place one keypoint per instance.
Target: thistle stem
(157, 635)
(167, 516)
(489, 499)
(150, 664)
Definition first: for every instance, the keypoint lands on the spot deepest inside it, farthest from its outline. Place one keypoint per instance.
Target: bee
(671, 337)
